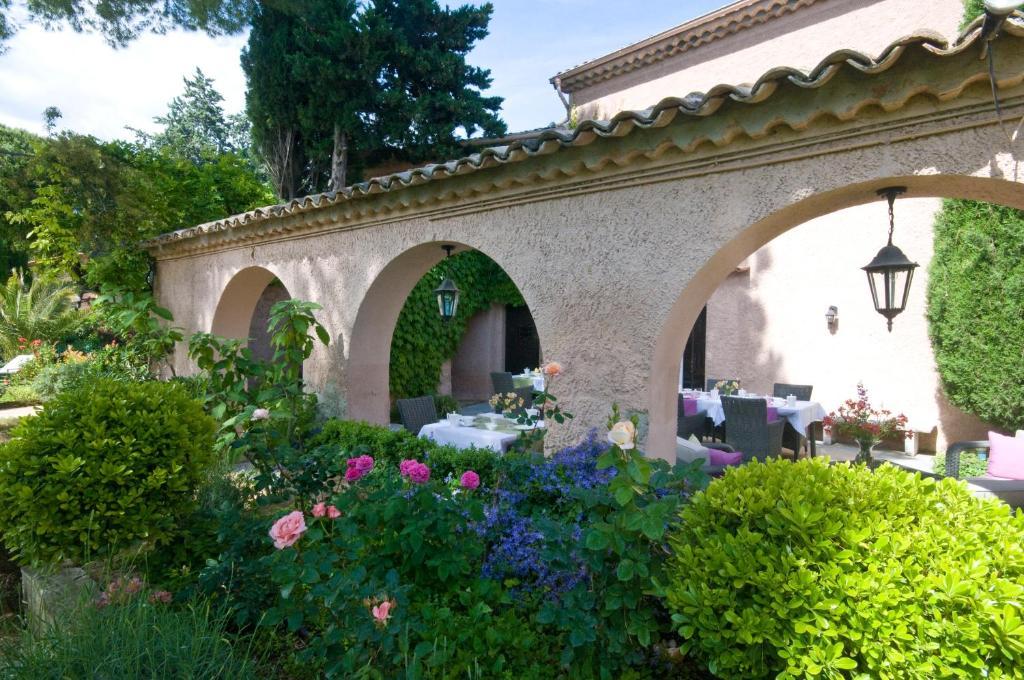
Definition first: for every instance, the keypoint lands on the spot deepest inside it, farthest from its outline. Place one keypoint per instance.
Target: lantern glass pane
(873, 278)
(906, 287)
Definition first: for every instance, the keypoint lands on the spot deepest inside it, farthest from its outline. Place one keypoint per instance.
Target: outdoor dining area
(749, 426)
(494, 426)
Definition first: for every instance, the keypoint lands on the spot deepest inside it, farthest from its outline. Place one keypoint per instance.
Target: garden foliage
(807, 569)
(976, 309)
(102, 467)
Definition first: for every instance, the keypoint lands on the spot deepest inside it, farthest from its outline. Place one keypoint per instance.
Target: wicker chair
(415, 413)
(1010, 491)
(502, 383)
(791, 439)
(691, 425)
(749, 430)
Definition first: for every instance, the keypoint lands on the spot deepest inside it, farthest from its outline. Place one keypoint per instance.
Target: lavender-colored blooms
(574, 467)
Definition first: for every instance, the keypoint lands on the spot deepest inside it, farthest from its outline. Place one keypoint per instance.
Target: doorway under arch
(663, 383)
(243, 311)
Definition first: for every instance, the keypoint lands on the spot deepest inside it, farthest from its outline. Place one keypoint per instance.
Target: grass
(128, 641)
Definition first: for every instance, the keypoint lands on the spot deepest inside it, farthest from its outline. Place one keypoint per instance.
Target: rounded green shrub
(807, 569)
(976, 309)
(100, 468)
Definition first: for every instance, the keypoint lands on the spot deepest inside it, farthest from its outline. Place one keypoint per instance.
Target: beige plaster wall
(768, 324)
(799, 40)
(481, 351)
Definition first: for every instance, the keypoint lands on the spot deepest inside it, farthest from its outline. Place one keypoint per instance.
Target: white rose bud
(623, 435)
(260, 414)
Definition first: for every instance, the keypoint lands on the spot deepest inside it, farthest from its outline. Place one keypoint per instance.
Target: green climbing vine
(422, 342)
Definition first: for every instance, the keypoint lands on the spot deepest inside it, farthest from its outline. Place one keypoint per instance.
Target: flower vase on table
(864, 424)
(865, 447)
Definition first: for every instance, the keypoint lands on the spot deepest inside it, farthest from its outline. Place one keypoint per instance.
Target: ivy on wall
(422, 342)
(976, 309)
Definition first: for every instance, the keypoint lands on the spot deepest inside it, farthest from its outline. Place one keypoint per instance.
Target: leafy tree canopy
(15, 152)
(120, 21)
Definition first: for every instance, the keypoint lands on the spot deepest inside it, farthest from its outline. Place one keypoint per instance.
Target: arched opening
(243, 310)
(729, 270)
(402, 348)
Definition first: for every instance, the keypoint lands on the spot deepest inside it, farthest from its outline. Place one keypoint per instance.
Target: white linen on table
(800, 416)
(445, 433)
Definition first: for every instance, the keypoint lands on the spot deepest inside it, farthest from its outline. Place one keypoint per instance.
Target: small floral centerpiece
(727, 387)
(866, 425)
(507, 403)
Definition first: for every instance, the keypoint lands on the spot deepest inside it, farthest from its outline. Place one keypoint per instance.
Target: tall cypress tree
(335, 87)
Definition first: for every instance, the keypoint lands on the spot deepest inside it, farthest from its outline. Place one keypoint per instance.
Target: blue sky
(101, 90)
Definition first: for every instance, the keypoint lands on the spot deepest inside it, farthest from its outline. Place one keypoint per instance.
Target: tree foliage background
(976, 309)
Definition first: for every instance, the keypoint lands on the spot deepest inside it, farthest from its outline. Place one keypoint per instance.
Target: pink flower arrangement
(323, 510)
(358, 468)
(415, 471)
(382, 612)
(288, 529)
(469, 480)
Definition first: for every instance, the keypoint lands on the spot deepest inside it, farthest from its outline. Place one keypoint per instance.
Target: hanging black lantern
(447, 293)
(890, 273)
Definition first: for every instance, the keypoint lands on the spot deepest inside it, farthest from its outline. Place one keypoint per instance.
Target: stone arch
(369, 357)
(683, 313)
(240, 300)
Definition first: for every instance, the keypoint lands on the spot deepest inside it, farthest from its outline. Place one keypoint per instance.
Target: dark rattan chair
(748, 429)
(415, 413)
(691, 425)
(526, 393)
(502, 383)
(791, 438)
(1010, 491)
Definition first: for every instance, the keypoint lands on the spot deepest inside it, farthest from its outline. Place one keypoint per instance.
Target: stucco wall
(481, 350)
(768, 324)
(799, 40)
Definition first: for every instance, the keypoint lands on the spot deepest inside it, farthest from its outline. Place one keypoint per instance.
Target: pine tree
(195, 126)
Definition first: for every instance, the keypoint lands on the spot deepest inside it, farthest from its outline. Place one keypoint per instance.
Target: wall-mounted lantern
(447, 293)
(890, 273)
(832, 316)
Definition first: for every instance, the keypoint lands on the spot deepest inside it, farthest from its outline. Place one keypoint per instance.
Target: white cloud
(100, 90)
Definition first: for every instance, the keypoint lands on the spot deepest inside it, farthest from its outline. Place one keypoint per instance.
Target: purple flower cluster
(574, 467)
(519, 550)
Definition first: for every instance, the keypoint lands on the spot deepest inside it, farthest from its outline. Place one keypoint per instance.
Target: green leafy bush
(394, 446)
(101, 467)
(976, 309)
(134, 640)
(808, 569)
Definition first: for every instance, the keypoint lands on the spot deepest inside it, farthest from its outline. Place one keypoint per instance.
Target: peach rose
(320, 510)
(287, 530)
(333, 512)
(623, 435)
(552, 369)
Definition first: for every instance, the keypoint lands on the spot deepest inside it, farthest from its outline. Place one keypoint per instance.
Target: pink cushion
(773, 414)
(689, 407)
(716, 457)
(1005, 456)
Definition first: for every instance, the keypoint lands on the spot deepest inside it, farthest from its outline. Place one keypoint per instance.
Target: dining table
(800, 414)
(473, 432)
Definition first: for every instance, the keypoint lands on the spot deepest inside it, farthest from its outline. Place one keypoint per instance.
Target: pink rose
(288, 529)
(382, 611)
(160, 596)
(470, 480)
(419, 474)
(406, 466)
(333, 512)
(320, 510)
(358, 467)
(260, 414)
(552, 369)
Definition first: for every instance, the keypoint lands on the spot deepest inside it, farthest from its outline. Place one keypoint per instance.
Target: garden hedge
(807, 569)
(102, 467)
(976, 309)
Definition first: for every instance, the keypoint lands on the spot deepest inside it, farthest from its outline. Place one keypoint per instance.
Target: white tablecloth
(800, 416)
(528, 378)
(445, 433)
